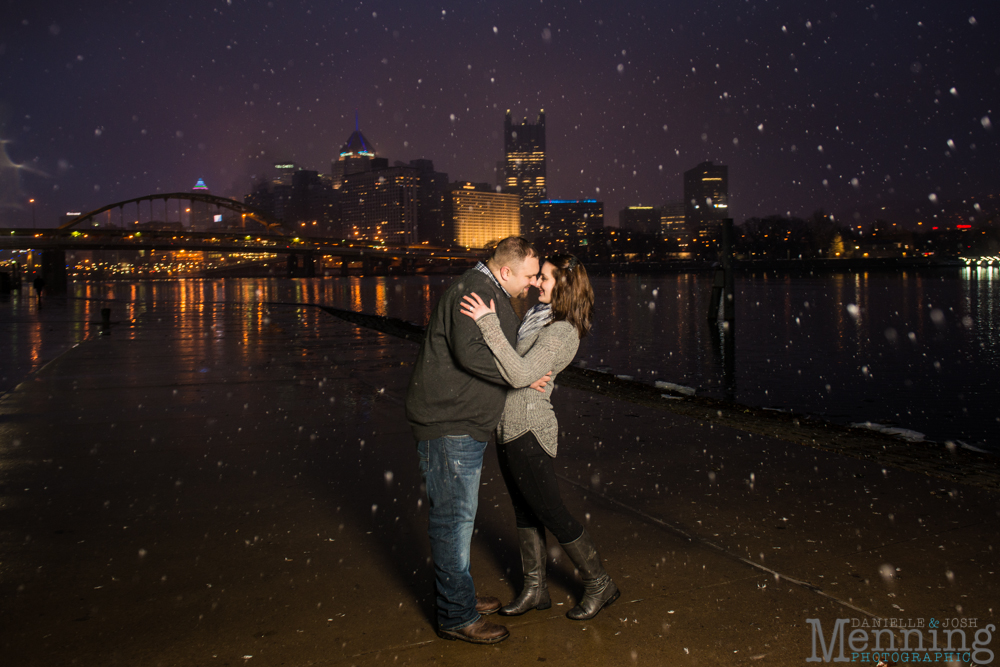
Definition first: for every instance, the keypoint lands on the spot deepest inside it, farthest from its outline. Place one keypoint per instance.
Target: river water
(918, 350)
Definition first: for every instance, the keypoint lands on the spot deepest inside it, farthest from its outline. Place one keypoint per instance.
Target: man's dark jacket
(456, 388)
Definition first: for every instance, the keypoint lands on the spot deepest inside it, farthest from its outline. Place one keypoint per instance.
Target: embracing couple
(480, 370)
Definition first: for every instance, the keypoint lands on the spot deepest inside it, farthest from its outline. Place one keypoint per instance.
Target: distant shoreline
(784, 265)
(794, 266)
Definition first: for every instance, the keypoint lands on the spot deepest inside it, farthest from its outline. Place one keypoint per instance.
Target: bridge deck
(223, 242)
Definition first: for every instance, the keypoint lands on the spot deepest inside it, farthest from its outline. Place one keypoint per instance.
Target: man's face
(522, 276)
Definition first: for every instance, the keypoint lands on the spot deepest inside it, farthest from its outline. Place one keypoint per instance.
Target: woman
(527, 434)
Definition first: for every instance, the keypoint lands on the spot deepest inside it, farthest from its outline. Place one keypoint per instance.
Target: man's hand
(540, 383)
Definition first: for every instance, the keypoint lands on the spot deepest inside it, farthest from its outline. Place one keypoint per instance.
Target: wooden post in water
(729, 305)
(718, 287)
(723, 297)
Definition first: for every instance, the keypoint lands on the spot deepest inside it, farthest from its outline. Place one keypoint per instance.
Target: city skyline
(889, 106)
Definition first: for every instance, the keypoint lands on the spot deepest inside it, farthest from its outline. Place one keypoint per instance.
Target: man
(453, 404)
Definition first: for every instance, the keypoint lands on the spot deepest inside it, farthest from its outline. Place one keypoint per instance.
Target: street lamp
(32, 202)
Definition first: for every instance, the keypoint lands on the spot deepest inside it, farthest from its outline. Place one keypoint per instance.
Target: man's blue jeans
(451, 467)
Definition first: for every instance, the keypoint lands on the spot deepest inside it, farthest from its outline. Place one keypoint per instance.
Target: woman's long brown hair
(572, 296)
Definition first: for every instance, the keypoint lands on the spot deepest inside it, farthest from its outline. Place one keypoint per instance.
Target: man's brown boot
(480, 632)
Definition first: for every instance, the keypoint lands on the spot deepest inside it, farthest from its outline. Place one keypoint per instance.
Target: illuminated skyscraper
(433, 193)
(284, 172)
(200, 218)
(356, 156)
(381, 205)
(567, 219)
(706, 202)
(524, 164)
(480, 214)
(672, 224)
(313, 208)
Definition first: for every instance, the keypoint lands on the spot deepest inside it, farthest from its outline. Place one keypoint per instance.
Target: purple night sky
(812, 104)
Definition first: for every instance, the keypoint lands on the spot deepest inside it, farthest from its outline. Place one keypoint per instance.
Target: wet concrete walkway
(237, 485)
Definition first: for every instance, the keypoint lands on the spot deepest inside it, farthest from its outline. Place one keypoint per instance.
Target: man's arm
(539, 384)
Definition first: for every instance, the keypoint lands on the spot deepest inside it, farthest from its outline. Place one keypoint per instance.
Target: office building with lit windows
(357, 155)
(433, 193)
(672, 223)
(381, 205)
(283, 173)
(314, 206)
(304, 200)
(566, 218)
(524, 163)
(706, 202)
(272, 197)
(641, 219)
(479, 214)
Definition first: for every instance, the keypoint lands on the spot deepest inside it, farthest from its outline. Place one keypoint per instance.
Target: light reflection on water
(920, 351)
(910, 358)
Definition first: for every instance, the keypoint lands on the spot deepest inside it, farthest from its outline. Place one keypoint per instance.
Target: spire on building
(357, 145)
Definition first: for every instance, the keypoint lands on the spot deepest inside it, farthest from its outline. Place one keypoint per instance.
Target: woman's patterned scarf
(534, 320)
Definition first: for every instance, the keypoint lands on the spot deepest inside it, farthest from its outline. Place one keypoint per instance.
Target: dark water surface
(918, 350)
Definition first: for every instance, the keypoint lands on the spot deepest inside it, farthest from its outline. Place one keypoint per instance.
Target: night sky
(836, 104)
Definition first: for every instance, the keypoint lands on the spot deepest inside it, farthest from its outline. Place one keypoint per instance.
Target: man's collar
(485, 269)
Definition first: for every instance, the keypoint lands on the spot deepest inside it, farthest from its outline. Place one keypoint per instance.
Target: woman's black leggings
(531, 482)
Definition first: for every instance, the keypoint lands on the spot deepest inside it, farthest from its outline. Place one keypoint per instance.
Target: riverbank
(235, 484)
(35, 336)
(946, 461)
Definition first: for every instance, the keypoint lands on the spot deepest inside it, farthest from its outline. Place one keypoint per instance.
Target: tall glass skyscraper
(706, 202)
(524, 164)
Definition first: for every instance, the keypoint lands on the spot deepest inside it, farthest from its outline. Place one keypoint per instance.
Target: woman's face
(546, 283)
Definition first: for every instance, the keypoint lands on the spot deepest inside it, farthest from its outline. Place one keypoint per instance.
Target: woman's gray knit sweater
(527, 409)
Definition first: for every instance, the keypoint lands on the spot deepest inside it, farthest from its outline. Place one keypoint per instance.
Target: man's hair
(511, 251)
(572, 296)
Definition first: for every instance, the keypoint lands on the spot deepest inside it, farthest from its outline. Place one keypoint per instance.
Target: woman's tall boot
(598, 589)
(535, 594)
